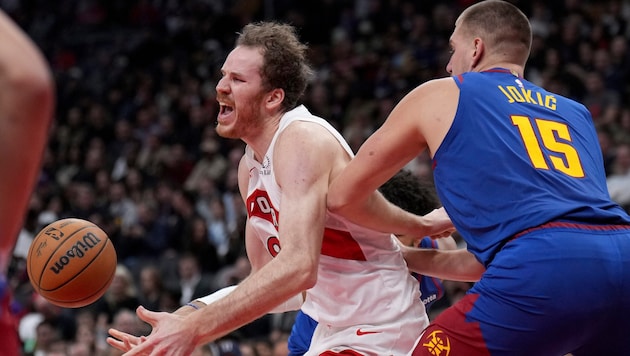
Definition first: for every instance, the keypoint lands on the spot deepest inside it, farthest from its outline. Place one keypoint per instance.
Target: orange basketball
(71, 262)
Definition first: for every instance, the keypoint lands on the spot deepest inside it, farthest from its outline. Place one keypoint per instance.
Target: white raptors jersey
(362, 277)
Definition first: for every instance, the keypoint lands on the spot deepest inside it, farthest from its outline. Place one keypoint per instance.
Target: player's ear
(478, 53)
(274, 98)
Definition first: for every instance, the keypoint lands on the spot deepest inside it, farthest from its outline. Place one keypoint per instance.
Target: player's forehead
(243, 60)
(457, 30)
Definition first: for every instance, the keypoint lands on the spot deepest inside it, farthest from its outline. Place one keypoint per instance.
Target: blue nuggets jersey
(518, 156)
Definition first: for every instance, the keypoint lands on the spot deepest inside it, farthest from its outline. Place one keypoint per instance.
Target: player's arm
(270, 285)
(26, 107)
(454, 265)
(446, 243)
(303, 175)
(400, 139)
(258, 257)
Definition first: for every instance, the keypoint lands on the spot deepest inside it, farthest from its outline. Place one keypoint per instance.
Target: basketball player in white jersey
(26, 106)
(355, 281)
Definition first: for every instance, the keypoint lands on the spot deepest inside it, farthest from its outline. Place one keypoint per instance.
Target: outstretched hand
(168, 336)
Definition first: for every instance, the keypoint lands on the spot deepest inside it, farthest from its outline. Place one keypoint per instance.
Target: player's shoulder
(434, 97)
(306, 133)
(435, 89)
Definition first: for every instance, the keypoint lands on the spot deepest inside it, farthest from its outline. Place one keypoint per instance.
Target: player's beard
(247, 122)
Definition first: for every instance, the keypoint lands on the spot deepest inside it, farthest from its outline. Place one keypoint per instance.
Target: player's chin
(226, 131)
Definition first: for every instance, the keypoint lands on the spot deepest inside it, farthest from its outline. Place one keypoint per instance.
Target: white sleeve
(211, 298)
(293, 303)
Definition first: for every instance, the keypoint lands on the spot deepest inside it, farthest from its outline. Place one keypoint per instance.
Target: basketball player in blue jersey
(26, 104)
(406, 191)
(519, 171)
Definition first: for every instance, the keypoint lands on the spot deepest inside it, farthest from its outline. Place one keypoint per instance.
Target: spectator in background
(619, 180)
(82, 201)
(191, 281)
(150, 286)
(61, 319)
(177, 164)
(46, 337)
(126, 319)
(145, 240)
(121, 209)
(152, 154)
(85, 343)
(211, 165)
(137, 185)
(598, 98)
(121, 294)
(233, 274)
(608, 149)
(196, 241)
(218, 229)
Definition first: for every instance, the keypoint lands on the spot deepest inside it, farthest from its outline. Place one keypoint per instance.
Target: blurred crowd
(133, 146)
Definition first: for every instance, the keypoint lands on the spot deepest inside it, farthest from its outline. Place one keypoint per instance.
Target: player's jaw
(227, 120)
(236, 120)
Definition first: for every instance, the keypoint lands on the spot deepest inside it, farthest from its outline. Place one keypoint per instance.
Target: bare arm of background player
(26, 107)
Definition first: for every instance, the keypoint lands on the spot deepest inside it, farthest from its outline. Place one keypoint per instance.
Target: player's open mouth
(224, 111)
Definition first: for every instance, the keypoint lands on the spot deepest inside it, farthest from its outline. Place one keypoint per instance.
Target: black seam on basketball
(69, 303)
(45, 265)
(76, 275)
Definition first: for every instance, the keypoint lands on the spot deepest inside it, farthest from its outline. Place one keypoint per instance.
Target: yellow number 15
(563, 156)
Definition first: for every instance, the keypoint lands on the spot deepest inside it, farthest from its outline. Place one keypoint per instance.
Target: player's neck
(515, 69)
(260, 140)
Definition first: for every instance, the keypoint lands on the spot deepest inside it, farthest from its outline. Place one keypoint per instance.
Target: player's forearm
(379, 214)
(454, 265)
(293, 303)
(256, 296)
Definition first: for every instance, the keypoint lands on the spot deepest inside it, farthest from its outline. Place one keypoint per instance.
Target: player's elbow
(305, 273)
(471, 268)
(32, 91)
(337, 204)
(30, 75)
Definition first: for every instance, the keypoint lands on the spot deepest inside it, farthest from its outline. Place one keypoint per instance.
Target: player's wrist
(195, 305)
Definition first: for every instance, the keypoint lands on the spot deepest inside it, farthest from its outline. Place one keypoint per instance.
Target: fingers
(147, 316)
(122, 335)
(142, 349)
(122, 341)
(120, 345)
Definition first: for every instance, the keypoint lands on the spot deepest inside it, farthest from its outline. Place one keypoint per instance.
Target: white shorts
(396, 338)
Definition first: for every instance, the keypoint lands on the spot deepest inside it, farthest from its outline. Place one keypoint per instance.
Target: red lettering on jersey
(273, 245)
(259, 205)
(341, 244)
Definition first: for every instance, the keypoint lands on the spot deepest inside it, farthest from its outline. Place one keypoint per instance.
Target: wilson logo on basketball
(77, 250)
